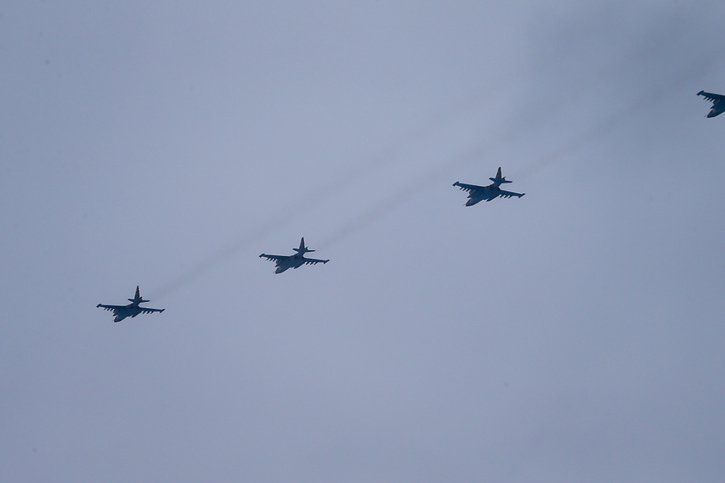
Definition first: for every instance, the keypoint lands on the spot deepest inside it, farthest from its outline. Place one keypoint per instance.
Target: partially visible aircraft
(718, 103)
(130, 310)
(479, 193)
(285, 262)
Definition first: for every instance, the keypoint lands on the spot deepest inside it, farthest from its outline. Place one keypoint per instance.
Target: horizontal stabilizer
(302, 248)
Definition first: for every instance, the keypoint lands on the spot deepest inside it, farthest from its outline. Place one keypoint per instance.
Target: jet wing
(471, 188)
(477, 193)
(711, 97)
(509, 194)
(274, 258)
(144, 310)
(314, 261)
(114, 308)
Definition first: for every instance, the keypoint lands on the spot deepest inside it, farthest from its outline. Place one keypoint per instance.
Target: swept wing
(144, 310)
(477, 193)
(471, 188)
(711, 97)
(509, 194)
(275, 258)
(314, 261)
(113, 308)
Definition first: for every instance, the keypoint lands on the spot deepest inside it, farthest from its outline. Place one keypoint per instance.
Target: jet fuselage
(491, 192)
(717, 108)
(131, 310)
(294, 261)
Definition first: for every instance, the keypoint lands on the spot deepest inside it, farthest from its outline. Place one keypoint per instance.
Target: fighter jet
(285, 262)
(480, 193)
(130, 310)
(718, 103)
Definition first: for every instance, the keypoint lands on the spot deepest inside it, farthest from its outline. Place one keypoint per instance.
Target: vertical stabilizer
(302, 249)
(498, 180)
(137, 297)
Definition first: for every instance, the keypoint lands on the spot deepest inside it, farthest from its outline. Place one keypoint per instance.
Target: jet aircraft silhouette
(285, 262)
(718, 103)
(130, 310)
(479, 193)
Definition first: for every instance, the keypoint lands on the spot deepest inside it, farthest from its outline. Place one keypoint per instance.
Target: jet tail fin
(302, 249)
(499, 180)
(137, 297)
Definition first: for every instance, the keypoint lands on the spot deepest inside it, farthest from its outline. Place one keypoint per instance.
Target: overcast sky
(575, 334)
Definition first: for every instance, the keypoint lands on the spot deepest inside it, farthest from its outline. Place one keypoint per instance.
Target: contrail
(390, 203)
(600, 128)
(608, 124)
(391, 155)
(385, 157)
(205, 265)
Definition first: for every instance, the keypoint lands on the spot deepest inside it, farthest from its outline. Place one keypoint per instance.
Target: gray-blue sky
(571, 335)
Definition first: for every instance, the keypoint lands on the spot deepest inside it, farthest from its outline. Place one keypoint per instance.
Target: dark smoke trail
(599, 129)
(385, 157)
(392, 153)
